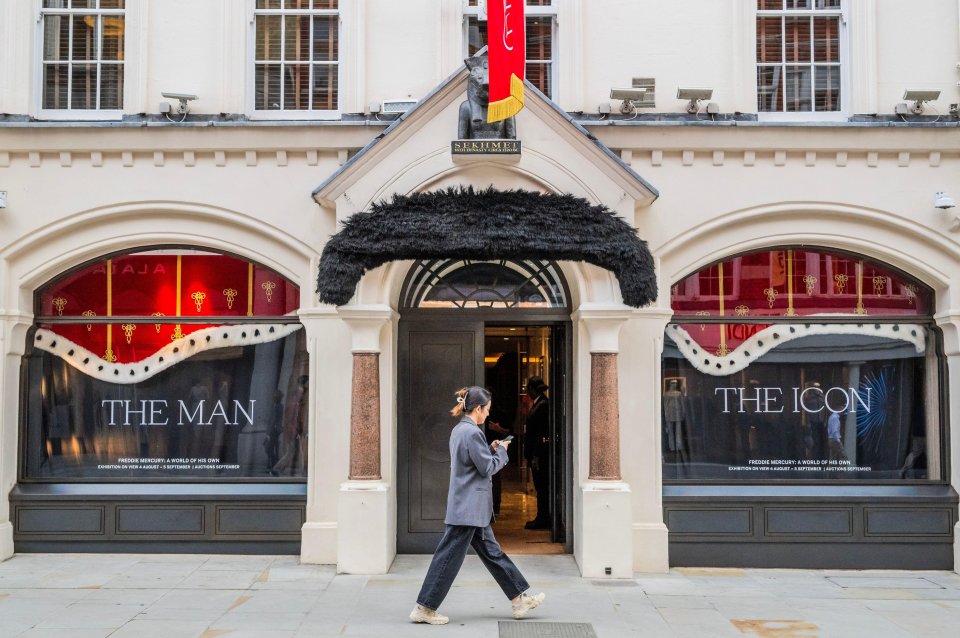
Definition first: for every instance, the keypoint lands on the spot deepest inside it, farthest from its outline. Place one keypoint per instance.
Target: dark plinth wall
(159, 518)
(815, 527)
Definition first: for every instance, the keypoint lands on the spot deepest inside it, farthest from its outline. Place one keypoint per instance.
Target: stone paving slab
(193, 596)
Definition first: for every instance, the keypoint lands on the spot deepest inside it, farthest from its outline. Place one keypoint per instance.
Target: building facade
(174, 173)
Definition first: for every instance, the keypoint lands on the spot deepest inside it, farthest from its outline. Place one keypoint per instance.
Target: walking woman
(469, 512)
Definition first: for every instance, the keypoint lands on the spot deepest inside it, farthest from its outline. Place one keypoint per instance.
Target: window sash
(785, 66)
(94, 94)
(281, 65)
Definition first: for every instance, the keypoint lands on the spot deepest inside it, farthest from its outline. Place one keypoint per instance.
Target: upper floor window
(296, 55)
(541, 39)
(82, 54)
(800, 56)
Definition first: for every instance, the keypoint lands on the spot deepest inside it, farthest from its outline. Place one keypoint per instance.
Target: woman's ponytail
(461, 395)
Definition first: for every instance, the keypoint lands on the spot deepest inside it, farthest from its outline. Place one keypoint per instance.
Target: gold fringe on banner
(507, 107)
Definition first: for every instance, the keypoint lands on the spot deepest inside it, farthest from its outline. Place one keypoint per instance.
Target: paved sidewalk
(121, 596)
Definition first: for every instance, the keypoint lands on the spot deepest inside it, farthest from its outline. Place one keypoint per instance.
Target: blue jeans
(449, 556)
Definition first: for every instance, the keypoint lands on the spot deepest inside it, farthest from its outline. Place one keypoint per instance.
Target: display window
(801, 364)
(166, 365)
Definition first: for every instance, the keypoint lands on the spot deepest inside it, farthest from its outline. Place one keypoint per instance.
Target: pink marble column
(365, 417)
(604, 417)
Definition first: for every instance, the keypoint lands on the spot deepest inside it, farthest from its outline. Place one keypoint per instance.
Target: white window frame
(80, 114)
(530, 12)
(251, 65)
(846, 94)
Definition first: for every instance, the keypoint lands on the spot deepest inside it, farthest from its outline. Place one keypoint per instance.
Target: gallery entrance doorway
(499, 325)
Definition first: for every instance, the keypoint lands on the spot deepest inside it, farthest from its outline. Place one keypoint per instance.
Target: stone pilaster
(365, 417)
(13, 341)
(605, 521)
(604, 417)
(366, 510)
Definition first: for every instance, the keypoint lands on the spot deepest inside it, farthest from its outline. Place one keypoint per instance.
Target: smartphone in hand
(507, 439)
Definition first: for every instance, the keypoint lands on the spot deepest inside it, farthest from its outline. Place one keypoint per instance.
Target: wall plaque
(485, 147)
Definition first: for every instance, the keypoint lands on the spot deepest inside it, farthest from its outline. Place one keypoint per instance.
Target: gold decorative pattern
(177, 333)
(88, 313)
(703, 313)
(268, 288)
(198, 298)
(109, 356)
(790, 311)
(879, 284)
(157, 325)
(911, 291)
(722, 350)
(841, 281)
(860, 310)
(742, 310)
(128, 329)
(59, 303)
(811, 283)
(771, 294)
(231, 296)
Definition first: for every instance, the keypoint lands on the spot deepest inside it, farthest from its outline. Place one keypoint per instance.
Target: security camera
(694, 96)
(631, 94)
(182, 108)
(185, 97)
(629, 97)
(943, 201)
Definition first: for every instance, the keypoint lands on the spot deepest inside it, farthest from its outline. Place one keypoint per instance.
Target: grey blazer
(472, 463)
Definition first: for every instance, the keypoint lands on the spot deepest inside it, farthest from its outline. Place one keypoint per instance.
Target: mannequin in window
(834, 438)
(815, 436)
(674, 414)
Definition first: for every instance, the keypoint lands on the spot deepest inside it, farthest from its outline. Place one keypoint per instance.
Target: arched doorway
(496, 324)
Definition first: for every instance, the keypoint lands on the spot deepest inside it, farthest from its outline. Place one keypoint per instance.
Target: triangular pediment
(413, 154)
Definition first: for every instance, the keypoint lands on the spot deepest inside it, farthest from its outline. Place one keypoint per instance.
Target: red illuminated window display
(149, 291)
(798, 283)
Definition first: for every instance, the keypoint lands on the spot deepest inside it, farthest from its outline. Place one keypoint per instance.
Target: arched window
(458, 283)
(166, 364)
(801, 363)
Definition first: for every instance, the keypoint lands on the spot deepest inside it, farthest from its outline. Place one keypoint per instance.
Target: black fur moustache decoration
(486, 224)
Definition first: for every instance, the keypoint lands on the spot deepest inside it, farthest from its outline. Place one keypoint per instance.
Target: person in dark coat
(469, 510)
(537, 450)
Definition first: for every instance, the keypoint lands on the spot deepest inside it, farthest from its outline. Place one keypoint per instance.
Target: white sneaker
(525, 603)
(429, 616)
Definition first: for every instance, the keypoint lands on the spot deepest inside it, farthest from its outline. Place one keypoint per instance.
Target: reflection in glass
(235, 412)
(818, 407)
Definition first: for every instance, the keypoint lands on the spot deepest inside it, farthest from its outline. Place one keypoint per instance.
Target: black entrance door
(435, 360)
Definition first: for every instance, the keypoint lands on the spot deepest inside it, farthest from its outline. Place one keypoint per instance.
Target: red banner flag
(506, 48)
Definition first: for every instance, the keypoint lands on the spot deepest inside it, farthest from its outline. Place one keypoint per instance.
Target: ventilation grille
(649, 100)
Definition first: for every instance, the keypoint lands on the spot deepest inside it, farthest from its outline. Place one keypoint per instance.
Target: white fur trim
(772, 336)
(170, 355)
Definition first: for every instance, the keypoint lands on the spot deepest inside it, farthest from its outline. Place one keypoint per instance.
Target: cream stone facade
(698, 189)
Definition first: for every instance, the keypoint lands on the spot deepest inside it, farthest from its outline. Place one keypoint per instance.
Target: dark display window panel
(824, 403)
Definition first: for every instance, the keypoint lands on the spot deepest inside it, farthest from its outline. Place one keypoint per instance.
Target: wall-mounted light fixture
(918, 97)
(695, 96)
(3, 199)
